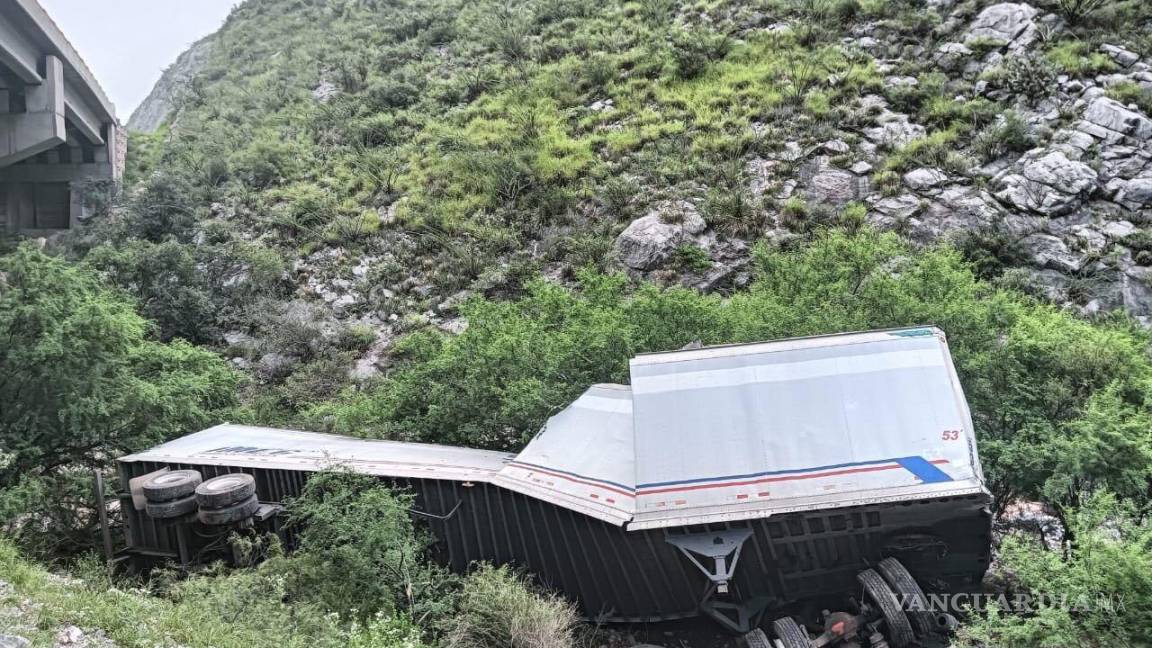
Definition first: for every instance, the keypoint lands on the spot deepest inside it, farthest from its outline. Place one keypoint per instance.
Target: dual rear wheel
(889, 590)
(219, 501)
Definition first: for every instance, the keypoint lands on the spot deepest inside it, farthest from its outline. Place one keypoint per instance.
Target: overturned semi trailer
(724, 480)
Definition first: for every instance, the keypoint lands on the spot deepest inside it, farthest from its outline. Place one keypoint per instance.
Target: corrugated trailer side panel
(618, 575)
(612, 573)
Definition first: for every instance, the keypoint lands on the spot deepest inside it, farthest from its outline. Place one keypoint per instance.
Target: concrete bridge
(59, 137)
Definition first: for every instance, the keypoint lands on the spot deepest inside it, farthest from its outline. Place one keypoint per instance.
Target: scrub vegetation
(463, 168)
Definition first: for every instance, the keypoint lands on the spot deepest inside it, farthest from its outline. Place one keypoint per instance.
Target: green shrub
(936, 150)
(1095, 593)
(691, 258)
(1130, 92)
(692, 50)
(731, 211)
(360, 528)
(1075, 58)
(982, 45)
(1009, 134)
(1077, 11)
(386, 632)
(80, 379)
(1024, 74)
(499, 609)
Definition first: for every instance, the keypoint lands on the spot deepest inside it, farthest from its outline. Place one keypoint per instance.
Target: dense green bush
(81, 384)
(358, 527)
(79, 378)
(1096, 594)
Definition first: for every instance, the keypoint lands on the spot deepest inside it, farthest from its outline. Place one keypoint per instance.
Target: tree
(81, 382)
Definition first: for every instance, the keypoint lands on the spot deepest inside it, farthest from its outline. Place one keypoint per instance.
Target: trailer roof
(743, 431)
(260, 447)
(583, 459)
(737, 432)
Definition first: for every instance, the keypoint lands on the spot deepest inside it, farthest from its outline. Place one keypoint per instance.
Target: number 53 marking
(951, 435)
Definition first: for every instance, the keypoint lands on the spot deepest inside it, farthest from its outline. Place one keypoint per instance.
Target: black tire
(901, 582)
(790, 634)
(229, 514)
(172, 509)
(757, 639)
(225, 490)
(171, 485)
(899, 629)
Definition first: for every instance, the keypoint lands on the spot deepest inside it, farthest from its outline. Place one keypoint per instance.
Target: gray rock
(901, 82)
(649, 240)
(1118, 229)
(760, 172)
(1052, 285)
(1009, 22)
(955, 211)
(835, 187)
(951, 56)
(275, 366)
(1088, 238)
(1047, 251)
(920, 179)
(168, 92)
(891, 213)
(1137, 292)
(893, 129)
(835, 147)
(1111, 121)
(791, 152)
(1046, 182)
(14, 641)
(325, 91)
(860, 168)
(1136, 193)
(601, 105)
(1122, 56)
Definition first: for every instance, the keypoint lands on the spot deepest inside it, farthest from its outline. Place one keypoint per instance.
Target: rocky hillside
(358, 169)
(158, 106)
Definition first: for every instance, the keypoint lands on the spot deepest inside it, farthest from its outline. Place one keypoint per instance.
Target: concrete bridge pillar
(41, 126)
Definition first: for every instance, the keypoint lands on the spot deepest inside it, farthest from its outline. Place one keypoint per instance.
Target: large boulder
(1136, 193)
(922, 179)
(835, 187)
(1109, 120)
(1047, 251)
(956, 211)
(1009, 22)
(14, 641)
(1046, 182)
(893, 129)
(649, 240)
(1137, 292)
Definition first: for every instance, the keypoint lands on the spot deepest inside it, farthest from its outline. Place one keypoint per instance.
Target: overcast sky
(128, 43)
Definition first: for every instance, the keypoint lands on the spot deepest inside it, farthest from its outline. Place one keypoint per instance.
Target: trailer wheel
(171, 485)
(229, 514)
(899, 629)
(757, 639)
(225, 490)
(903, 584)
(790, 634)
(171, 509)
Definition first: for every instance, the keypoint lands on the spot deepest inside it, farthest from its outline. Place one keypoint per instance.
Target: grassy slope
(41, 603)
